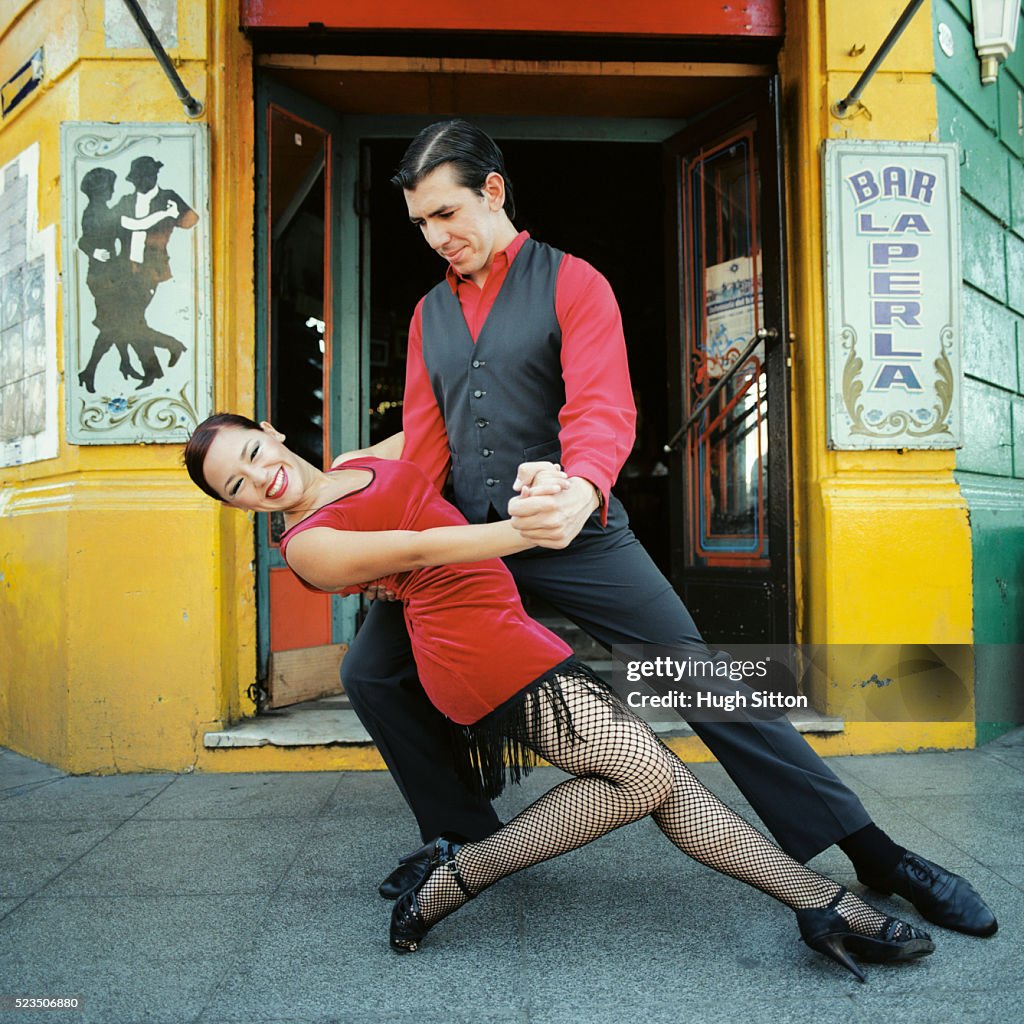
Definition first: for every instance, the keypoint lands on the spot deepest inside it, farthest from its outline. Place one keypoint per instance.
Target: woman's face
(252, 469)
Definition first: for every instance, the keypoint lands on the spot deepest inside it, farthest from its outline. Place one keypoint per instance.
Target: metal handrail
(764, 334)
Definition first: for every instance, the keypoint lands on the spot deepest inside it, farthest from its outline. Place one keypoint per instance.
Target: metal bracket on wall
(192, 106)
(842, 108)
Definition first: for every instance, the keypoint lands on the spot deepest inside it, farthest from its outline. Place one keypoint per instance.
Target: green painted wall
(988, 123)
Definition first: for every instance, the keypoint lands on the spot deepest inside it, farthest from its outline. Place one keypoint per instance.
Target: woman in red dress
(510, 687)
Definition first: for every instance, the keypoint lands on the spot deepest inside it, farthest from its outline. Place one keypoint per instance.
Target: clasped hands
(551, 508)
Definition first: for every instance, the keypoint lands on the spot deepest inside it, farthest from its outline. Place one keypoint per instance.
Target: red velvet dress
(475, 647)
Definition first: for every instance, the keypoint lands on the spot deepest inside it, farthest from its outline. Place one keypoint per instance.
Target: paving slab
(150, 858)
(16, 771)
(144, 959)
(228, 797)
(107, 798)
(34, 856)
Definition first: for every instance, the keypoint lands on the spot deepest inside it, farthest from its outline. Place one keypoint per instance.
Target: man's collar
(509, 253)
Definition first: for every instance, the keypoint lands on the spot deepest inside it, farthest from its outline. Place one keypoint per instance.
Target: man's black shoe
(410, 869)
(940, 896)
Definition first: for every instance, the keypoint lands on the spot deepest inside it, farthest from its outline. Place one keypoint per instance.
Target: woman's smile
(278, 485)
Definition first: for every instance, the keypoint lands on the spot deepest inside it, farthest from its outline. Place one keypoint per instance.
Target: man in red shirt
(519, 355)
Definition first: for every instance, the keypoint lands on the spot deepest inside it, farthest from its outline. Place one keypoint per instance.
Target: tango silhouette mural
(136, 249)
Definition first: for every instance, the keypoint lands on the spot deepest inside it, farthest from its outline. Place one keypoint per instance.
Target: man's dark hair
(472, 153)
(199, 444)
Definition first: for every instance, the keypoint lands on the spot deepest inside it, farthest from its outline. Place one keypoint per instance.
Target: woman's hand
(534, 479)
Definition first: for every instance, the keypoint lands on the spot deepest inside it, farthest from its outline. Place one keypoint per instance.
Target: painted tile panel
(984, 162)
(1015, 272)
(1016, 217)
(989, 341)
(1011, 113)
(984, 251)
(960, 73)
(988, 442)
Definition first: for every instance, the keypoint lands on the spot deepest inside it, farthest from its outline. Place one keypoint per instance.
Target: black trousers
(607, 584)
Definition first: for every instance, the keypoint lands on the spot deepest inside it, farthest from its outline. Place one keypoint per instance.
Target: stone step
(332, 720)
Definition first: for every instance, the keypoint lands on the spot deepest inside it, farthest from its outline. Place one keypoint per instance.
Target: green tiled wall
(987, 123)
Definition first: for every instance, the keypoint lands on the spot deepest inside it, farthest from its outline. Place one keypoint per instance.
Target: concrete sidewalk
(209, 898)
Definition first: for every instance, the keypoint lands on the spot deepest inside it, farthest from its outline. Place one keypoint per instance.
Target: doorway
(601, 188)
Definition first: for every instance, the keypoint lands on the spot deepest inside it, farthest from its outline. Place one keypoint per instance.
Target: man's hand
(551, 520)
(375, 592)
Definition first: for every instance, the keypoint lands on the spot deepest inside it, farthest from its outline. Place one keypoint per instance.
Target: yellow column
(883, 537)
(128, 613)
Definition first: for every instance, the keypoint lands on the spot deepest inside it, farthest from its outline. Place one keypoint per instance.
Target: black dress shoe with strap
(410, 870)
(408, 925)
(940, 896)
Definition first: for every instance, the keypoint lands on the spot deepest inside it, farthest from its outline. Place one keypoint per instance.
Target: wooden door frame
(761, 104)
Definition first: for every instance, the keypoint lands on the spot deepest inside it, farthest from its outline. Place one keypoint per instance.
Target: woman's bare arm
(336, 559)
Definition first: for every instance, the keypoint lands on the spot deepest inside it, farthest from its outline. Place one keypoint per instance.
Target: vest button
(481, 423)
(479, 394)
(485, 452)
(491, 481)
(477, 363)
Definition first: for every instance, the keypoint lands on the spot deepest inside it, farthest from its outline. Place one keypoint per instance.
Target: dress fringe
(499, 748)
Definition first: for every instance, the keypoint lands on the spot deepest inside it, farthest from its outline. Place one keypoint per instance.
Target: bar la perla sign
(892, 280)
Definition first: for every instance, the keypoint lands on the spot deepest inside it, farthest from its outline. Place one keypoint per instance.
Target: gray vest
(500, 398)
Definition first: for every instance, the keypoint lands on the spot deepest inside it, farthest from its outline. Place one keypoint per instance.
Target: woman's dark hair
(199, 444)
(97, 181)
(472, 153)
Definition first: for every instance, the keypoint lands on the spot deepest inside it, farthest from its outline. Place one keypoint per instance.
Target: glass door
(301, 633)
(732, 525)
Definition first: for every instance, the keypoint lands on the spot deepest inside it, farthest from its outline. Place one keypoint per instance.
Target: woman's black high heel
(408, 926)
(824, 929)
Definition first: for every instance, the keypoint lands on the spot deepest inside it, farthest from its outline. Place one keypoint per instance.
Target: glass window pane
(298, 272)
(727, 451)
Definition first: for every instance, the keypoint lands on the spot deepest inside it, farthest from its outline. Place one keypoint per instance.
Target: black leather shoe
(410, 869)
(940, 896)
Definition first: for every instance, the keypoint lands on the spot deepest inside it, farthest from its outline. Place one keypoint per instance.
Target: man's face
(457, 223)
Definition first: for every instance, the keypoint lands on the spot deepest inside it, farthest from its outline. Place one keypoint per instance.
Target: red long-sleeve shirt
(598, 420)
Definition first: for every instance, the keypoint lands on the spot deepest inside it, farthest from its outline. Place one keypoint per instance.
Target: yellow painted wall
(883, 538)
(128, 617)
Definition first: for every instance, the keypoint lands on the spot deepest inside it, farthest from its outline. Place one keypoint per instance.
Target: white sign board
(892, 294)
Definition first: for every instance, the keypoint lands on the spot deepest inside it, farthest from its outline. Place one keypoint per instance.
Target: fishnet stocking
(623, 773)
